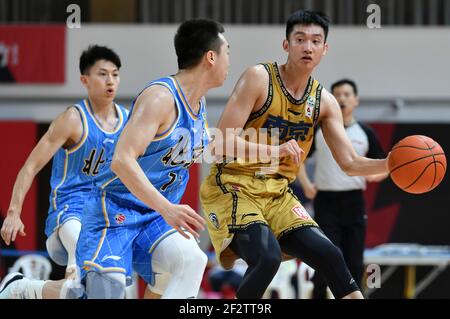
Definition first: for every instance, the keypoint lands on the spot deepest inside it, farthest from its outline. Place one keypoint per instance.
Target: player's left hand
(387, 162)
(290, 149)
(12, 226)
(184, 217)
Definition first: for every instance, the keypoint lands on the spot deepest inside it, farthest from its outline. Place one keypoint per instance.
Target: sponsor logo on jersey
(248, 215)
(214, 220)
(235, 188)
(120, 218)
(294, 112)
(300, 212)
(310, 106)
(108, 140)
(115, 258)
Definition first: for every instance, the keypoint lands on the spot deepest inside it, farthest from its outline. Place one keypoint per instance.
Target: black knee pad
(270, 260)
(333, 254)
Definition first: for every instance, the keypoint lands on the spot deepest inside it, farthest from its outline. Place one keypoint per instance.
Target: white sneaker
(13, 286)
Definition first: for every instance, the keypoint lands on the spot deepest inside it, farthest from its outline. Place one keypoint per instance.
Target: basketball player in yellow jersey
(251, 212)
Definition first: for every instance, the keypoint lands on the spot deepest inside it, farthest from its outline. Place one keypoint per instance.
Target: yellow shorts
(233, 202)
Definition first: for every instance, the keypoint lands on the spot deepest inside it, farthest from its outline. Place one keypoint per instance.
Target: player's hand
(310, 191)
(11, 226)
(386, 162)
(183, 216)
(292, 150)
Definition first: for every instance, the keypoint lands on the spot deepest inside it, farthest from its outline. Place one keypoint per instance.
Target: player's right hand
(292, 150)
(184, 217)
(11, 226)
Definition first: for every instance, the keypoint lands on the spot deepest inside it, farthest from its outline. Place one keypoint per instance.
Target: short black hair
(94, 53)
(307, 17)
(345, 81)
(194, 38)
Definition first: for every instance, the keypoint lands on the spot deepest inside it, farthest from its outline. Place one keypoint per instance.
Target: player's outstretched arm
(340, 145)
(67, 127)
(377, 178)
(249, 92)
(154, 109)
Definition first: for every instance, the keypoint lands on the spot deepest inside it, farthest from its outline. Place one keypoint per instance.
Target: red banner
(19, 139)
(32, 54)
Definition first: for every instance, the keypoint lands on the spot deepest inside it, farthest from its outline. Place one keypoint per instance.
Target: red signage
(17, 144)
(32, 53)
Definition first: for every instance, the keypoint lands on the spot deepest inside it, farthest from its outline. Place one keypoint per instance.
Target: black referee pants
(342, 217)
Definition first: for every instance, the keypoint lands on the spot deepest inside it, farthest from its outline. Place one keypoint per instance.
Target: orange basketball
(417, 164)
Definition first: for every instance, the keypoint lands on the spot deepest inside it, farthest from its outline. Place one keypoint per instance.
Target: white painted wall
(387, 63)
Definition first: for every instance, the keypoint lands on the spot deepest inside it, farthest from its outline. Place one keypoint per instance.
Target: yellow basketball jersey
(294, 119)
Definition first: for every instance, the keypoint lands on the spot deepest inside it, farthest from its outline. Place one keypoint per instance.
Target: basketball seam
(444, 167)
(418, 177)
(434, 162)
(417, 159)
(415, 147)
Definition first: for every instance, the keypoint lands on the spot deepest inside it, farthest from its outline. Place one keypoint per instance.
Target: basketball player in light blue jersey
(136, 220)
(81, 141)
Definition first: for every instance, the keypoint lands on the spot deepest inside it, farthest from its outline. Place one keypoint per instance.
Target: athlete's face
(102, 80)
(346, 98)
(221, 62)
(306, 45)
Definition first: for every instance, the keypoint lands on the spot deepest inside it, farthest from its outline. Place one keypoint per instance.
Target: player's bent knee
(56, 250)
(182, 253)
(270, 258)
(328, 257)
(199, 258)
(193, 261)
(104, 286)
(334, 255)
(68, 234)
(61, 244)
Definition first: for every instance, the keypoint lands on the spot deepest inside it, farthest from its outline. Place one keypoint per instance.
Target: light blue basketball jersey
(74, 169)
(167, 159)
